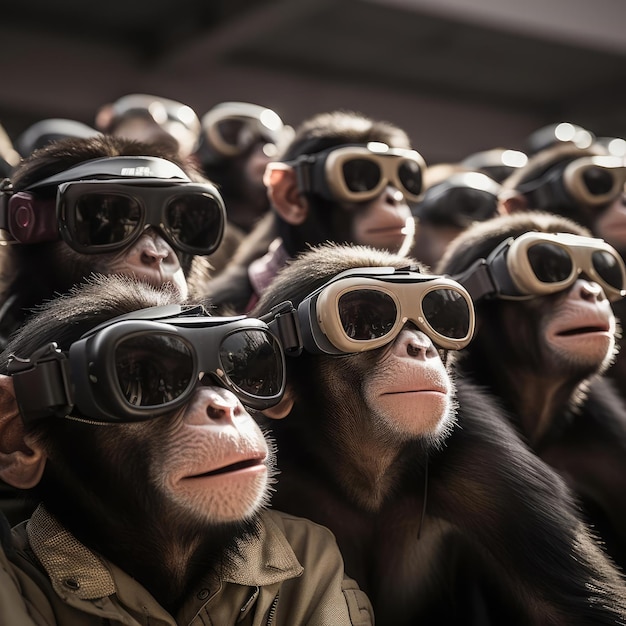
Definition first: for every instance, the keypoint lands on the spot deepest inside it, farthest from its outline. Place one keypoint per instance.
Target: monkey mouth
(232, 467)
(438, 390)
(581, 331)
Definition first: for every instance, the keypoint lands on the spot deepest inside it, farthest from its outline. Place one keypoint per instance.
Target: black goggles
(133, 369)
(536, 264)
(231, 128)
(359, 173)
(460, 200)
(592, 181)
(366, 308)
(104, 205)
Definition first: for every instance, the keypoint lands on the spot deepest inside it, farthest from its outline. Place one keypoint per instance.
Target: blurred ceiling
(459, 75)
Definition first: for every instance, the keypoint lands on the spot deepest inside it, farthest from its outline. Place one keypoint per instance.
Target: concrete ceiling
(458, 75)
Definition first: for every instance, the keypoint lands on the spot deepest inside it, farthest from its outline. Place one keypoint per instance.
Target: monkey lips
(584, 334)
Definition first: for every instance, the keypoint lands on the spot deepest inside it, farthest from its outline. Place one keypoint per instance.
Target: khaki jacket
(291, 574)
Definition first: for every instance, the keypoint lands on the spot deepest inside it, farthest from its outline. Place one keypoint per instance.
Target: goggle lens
(367, 314)
(251, 360)
(194, 220)
(447, 312)
(550, 263)
(607, 267)
(410, 175)
(153, 370)
(105, 219)
(598, 180)
(361, 174)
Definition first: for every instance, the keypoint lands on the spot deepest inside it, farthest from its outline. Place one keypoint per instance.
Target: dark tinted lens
(447, 311)
(550, 263)
(252, 360)
(361, 174)
(367, 314)
(608, 268)
(194, 220)
(232, 131)
(153, 370)
(102, 219)
(473, 204)
(410, 176)
(598, 180)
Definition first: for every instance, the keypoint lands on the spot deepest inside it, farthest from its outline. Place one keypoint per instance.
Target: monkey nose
(415, 344)
(222, 405)
(590, 290)
(395, 196)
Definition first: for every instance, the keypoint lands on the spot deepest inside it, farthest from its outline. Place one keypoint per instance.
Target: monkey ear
(282, 189)
(22, 459)
(283, 408)
(512, 202)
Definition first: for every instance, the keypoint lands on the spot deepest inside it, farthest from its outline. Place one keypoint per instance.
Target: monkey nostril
(216, 412)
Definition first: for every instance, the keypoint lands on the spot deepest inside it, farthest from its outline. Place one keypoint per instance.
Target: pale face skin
(581, 333)
(150, 259)
(385, 223)
(214, 462)
(409, 390)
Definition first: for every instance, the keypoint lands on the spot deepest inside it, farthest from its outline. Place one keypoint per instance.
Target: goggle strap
(44, 389)
(6, 191)
(303, 173)
(477, 279)
(284, 324)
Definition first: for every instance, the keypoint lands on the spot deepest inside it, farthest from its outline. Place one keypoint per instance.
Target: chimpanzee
(153, 479)
(105, 205)
(543, 290)
(431, 511)
(343, 178)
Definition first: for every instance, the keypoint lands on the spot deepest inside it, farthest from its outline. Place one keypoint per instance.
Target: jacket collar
(74, 570)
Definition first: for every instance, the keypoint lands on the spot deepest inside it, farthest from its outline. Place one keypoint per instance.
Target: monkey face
(216, 464)
(150, 259)
(580, 329)
(410, 391)
(385, 223)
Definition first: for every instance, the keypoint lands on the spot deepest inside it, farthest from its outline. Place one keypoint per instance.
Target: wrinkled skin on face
(385, 223)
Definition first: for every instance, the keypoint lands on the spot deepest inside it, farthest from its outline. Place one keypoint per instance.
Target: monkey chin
(428, 415)
(226, 497)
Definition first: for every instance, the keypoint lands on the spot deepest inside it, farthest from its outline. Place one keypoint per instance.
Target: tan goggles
(361, 173)
(361, 313)
(593, 181)
(233, 127)
(543, 263)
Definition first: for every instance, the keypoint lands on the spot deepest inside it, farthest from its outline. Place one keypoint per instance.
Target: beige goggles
(536, 264)
(365, 308)
(359, 173)
(593, 181)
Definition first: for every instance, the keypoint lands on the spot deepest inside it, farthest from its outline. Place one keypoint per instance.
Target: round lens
(367, 314)
(410, 175)
(608, 268)
(361, 174)
(598, 180)
(550, 263)
(232, 131)
(153, 369)
(252, 360)
(447, 312)
(473, 204)
(103, 219)
(195, 221)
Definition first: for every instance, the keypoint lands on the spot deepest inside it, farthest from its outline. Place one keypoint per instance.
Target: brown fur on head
(311, 269)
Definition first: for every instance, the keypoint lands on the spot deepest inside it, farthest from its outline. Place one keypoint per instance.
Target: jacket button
(72, 584)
